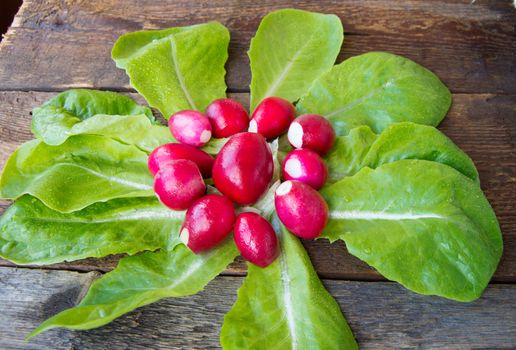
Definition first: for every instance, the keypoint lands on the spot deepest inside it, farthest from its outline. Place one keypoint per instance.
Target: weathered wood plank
(483, 125)
(60, 44)
(382, 315)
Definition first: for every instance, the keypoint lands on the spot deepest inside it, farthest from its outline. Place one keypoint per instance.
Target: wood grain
(64, 44)
(483, 125)
(382, 316)
(58, 44)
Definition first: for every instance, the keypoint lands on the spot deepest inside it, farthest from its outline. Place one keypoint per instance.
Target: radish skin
(272, 117)
(207, 222)
(178, 184)
(301, 209)
(306, 166)
(190, 127)
(227, 117)
(174, 151)
(255, 239)
(312, 131)
(243, 168)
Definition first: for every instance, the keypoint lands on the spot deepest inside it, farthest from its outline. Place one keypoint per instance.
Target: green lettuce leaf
(377, 89)
(69, 112)
(135, 130)
(420, 223)
(131, 44)
(83, 170)
(140, 280)
(290, 49)
(285, 306)
(362, 147)
(215, 145)
(176, 68)
(31, 233)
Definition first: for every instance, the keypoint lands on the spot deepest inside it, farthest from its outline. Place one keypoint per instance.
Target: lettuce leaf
(377, 89)
(84, 170)
(31, 233)
(143, 279)
(176, 68)
(363, 148)
(285, 306)
(420, 223)
(69, 113)
(290, 50)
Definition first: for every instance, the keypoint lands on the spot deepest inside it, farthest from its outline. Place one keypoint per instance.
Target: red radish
(174, 151)
(301, 209)
(190, 127)
(306, 166)
(255, 239)
(243, 168)
(227, 117)
(207, 222)
(272, 117)
(178, 184)
(312, 131)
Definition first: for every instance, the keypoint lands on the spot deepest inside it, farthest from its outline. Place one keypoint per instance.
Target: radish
(178, 184)
(227, 117)
(190, 127)
(255, 239)
(243, 168)
(312, 131)
(301, 209)
(272, 117)
(207, 222)
(174, 151)
(306, 166)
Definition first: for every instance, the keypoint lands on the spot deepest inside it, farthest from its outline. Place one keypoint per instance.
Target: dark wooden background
(59, 44)
(8, 9)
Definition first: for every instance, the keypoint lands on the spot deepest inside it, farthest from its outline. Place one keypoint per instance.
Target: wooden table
(54, 45)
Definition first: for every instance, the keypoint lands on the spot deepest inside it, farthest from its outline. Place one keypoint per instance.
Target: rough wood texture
(57, 44)
(472, 47)
(482, 125)
(382, 315)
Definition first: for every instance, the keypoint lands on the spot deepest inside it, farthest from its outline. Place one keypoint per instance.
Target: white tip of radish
(184, 236)
(253, 127)
(293, 168)
(284, 188)
(295, 135)
(205, 136)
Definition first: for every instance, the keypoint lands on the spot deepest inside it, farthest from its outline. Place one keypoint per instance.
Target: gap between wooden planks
(481, 124)
(382, 315)
(56, 44)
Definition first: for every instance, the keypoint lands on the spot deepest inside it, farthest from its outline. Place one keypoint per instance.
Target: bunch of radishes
(242, 171)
